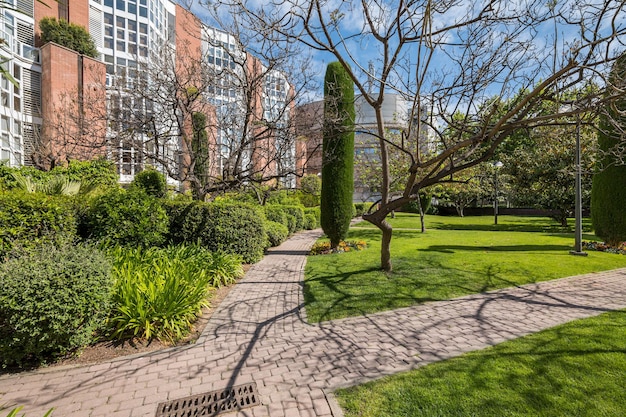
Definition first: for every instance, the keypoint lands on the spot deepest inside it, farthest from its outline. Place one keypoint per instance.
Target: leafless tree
(452, 57)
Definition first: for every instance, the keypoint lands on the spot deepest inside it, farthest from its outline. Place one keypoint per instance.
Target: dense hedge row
(237, 228)
(29, 220)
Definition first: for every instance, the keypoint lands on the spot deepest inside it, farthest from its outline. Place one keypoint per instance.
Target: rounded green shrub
(276, 214)
(29, 219)
(292, 223)
(52, 301)
(127, 218)
(310, 222)
(298, 213)
(276, 233)
(234, 228)
(152, 182)
(315, 211)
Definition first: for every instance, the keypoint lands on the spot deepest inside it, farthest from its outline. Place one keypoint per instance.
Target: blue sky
(532, 55)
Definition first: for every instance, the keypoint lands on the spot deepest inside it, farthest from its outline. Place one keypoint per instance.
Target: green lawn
(576, 369)
(456, 256)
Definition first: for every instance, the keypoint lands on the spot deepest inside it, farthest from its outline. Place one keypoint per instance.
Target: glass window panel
(120, 22)
(143, 12)
(108, 19)
(120, 5)
(5, 155)
(17, 103)
(108, 3)
(108, 43)
(5, 140)
(121, 34)
(132, 25)
(143, 28)
(132, 8)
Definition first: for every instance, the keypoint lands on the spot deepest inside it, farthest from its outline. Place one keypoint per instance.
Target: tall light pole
(578, 209)
(497, 166)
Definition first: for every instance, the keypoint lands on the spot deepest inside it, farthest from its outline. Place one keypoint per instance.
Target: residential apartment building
(68, 106)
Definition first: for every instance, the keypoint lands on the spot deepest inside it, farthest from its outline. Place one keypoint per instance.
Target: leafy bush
(298, 213)
(52, 300)
(276, 214)
(292, 223)
(160, 292)
(126, 218)
(324, 247)
(69, 35)
(310, 222)
(235, 228)
(315, 211)
(359, 209)
(276, 233)
(28, 220)
(152, 182)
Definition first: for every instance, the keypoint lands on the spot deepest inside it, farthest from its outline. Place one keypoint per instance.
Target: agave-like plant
(58, 185)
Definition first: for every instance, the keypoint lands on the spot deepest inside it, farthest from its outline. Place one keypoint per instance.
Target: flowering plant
(322, 248)
(620, 248)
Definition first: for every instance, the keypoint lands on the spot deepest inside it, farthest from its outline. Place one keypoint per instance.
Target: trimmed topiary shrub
(337, 153)
(310, 222)
(276, 214)
(298, 213)
(130, 217)
(28, 220)
(291, 223)
(276, 233)
(235, 228)
(608, 191)
(52, 300)
(315, 211)
(69, 35)
(152, 182)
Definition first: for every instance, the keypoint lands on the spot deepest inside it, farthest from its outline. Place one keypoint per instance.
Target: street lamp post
(497, 166)
(578, 209)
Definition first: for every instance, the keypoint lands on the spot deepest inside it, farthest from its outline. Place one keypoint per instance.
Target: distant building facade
(41, 124)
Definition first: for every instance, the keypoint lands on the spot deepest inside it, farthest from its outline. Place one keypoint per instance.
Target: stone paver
(259, 334)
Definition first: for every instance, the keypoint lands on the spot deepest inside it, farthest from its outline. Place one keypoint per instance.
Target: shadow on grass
(333, 294)
(497, 248)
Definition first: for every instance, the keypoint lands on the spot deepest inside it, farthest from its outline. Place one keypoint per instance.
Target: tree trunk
(421, 209)
(378, 219)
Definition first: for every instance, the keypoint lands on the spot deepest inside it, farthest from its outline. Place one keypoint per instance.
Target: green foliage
(360, 208)
(275, 213)
(160, 292)
(414, 206)
(291, 223)
(69, 35)
(315, 211)
(235, 228)
(152, 182)
(608, 193)
(337, 153)
(97, 172)
(126, 218)
(310, 221)
(52, 300)
(311, 186)
(28, 220)
(277, 233)
(200, 154)
(298, 213)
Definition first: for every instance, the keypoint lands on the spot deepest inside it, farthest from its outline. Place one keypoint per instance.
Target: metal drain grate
(211, 403)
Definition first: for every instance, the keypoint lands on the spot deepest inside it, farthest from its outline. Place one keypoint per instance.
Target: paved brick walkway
(259, 334)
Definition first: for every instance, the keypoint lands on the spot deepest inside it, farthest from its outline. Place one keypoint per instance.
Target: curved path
(259, 334)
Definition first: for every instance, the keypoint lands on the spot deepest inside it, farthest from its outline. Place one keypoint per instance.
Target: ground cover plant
(575, 369)
(456, 256)
(159, 292)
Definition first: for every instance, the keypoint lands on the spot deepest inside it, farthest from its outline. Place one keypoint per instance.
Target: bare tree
(454, 56)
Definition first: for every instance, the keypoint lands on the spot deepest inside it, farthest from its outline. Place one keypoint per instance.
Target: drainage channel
(211, 403)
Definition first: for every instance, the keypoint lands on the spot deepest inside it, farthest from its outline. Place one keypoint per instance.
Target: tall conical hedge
(608, 192)
(338, 153)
